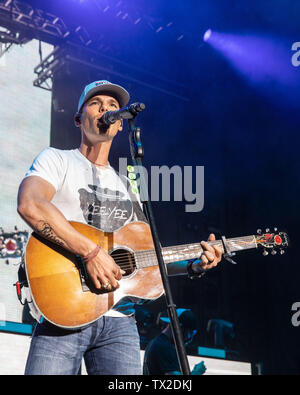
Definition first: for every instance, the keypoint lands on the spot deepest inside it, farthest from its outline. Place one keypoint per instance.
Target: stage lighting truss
(21, 23)
(53, 29)
(39, 24)
(46, 69)
(18, 13)
(8, 38)
(24, 23)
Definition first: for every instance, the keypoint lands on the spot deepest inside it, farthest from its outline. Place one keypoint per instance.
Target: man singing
(80, 185)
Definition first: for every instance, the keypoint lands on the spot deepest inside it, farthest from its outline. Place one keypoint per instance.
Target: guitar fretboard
(185, 252)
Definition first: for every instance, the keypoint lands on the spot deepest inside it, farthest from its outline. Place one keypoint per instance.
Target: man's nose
(103, 108)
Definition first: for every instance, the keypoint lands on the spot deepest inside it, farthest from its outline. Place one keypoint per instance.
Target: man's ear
(77, 119)
(121, 125)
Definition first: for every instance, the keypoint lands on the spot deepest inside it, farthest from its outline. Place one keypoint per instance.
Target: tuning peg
(265, 253)
(259, 231)
(282, 252)
(275, 229)
(273, 252)
(267, 230)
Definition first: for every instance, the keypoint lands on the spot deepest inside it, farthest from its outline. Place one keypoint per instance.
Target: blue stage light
(262, 60)
(207, 35)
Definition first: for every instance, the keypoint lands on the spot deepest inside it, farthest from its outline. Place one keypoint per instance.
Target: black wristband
(192, 274)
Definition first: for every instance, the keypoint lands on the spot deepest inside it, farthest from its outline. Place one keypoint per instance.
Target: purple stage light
(207, 35)
(263, 61)
(256, 57)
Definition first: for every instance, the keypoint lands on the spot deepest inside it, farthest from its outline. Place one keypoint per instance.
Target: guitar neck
(192, 251)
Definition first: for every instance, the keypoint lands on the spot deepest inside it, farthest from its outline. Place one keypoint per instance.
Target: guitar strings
(150, 253)
(149, 257)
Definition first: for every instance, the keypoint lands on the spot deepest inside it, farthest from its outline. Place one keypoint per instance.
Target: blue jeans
(111, 345)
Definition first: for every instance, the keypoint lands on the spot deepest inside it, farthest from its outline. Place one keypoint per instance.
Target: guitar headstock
(272, 241)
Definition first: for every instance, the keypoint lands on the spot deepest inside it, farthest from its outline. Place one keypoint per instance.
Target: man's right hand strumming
(104, 272)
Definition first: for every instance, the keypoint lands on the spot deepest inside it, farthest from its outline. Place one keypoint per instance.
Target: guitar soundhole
(125, 259)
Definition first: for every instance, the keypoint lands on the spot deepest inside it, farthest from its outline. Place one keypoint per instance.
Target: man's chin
(103, 129)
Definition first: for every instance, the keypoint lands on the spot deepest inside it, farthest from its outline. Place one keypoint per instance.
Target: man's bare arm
(45, 229)
(35, 207)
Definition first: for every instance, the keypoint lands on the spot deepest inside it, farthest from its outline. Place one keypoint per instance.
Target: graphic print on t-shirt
(105, 209)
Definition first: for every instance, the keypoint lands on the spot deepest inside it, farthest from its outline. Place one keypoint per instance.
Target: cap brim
(116, 91)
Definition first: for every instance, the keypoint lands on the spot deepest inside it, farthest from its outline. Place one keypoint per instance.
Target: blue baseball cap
(104, 87)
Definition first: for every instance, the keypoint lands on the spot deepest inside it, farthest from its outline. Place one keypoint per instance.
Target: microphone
(128, 112)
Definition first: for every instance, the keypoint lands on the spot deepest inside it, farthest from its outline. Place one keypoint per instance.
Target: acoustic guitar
(63, 293)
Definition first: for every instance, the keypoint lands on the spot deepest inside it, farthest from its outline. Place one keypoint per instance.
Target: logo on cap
(103, 82)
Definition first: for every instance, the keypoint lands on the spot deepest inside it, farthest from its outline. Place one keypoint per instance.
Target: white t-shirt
(86, 193)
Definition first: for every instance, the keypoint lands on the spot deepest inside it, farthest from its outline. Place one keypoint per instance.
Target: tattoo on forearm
(45, 230)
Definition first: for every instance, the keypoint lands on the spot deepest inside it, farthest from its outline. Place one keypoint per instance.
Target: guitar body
(58, 288)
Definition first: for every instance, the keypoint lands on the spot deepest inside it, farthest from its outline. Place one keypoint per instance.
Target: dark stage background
(203, 111)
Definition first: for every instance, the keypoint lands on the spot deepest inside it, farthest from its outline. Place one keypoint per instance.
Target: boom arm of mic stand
(137, 153)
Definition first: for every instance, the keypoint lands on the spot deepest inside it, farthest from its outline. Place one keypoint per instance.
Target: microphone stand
(137, 153)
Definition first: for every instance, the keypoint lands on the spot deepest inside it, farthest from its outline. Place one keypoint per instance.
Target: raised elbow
(26, 208)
